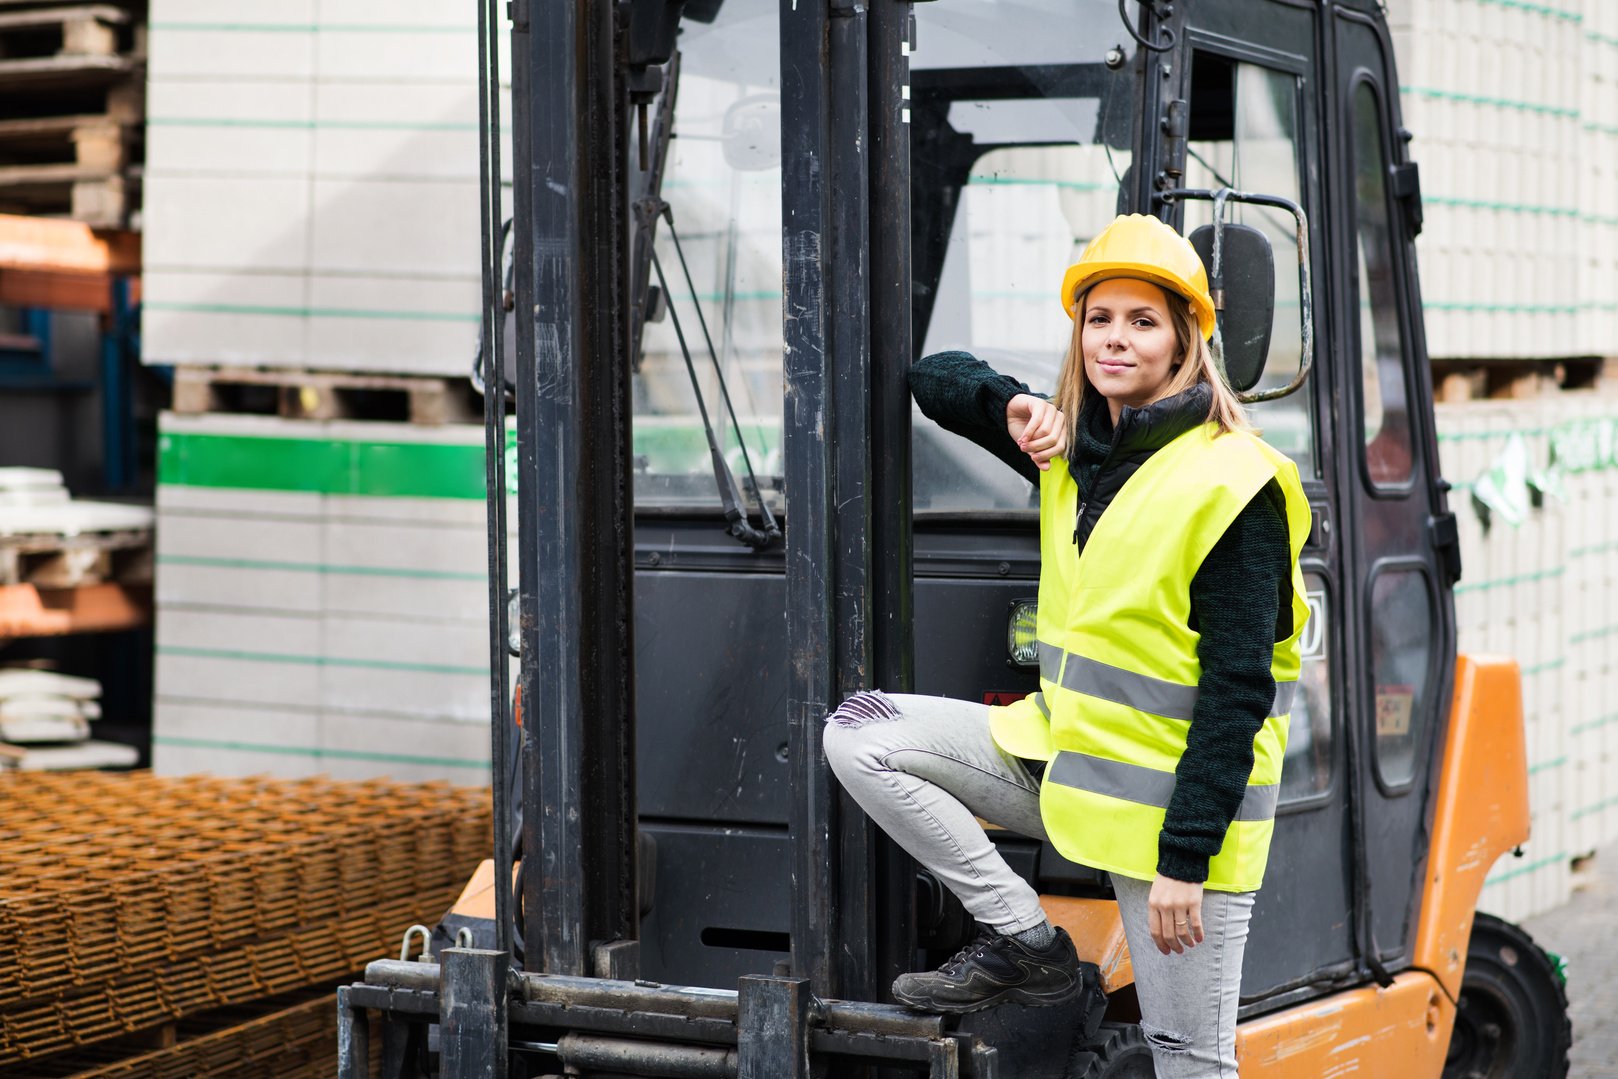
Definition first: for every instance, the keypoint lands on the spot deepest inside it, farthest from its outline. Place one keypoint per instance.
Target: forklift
(713, 200)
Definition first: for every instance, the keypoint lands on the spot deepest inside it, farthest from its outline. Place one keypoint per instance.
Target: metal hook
(426, 955)
(1168, 32)
(463, 937)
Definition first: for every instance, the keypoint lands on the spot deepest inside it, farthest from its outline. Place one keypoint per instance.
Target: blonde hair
(1223, 409)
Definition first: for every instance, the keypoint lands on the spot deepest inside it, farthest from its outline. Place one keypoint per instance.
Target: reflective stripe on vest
(1161, 698)
(1146, 786)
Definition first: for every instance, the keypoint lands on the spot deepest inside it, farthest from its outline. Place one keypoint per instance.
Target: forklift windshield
(1022, 131)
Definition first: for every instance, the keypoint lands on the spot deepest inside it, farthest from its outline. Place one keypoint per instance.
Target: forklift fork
(768, 1028)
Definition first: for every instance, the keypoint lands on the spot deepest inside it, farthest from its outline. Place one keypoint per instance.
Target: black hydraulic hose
(494, 436)
(770, 525)
(736, 520)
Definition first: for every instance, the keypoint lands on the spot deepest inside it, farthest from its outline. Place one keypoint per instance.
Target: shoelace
(973, 947)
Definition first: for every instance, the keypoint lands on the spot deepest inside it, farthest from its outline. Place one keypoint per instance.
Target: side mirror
(1244, 295)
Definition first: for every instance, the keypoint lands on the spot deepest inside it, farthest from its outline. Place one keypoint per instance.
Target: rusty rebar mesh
(129, 900)
(291, 1035)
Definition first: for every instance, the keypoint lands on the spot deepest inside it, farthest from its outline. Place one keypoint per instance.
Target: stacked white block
(1496, 94)
(311, 186)
(1598, 181)
(322, 599)
(1544, 591)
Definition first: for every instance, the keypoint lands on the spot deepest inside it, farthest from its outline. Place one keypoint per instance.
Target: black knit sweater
(1238, 595)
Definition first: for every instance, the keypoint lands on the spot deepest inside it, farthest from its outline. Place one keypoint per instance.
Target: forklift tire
(1511, 1021)
(1118, 1052)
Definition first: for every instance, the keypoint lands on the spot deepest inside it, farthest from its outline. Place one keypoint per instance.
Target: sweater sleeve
(1236, 598)
(967, 397)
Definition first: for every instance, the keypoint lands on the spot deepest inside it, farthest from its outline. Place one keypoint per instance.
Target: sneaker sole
(1014, 995)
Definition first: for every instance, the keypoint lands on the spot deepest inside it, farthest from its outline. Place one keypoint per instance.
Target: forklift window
(1021, 135)
(1402, 617)
(1307, 767)
(723, 186)
(1244, 134)
(1388, 454)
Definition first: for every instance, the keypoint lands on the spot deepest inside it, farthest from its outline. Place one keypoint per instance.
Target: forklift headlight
(513, 624)
(1022, 646)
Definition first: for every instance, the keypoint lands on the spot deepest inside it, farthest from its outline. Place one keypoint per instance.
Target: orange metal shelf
(29, 611)
(65, 265)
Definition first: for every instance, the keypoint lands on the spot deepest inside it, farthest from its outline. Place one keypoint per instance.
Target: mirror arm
(1306, 357)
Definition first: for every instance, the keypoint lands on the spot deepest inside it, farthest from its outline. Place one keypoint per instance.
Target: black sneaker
(997, 969)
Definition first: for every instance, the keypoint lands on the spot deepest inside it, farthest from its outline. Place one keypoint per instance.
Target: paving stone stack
(1536, 495)
(312, 185)
(1514, 108)
(131, 903)
(322, 605)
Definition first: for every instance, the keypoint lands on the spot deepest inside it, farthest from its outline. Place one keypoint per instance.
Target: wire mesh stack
(128, 902)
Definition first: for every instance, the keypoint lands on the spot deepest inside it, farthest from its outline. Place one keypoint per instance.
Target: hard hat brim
(1081, 276)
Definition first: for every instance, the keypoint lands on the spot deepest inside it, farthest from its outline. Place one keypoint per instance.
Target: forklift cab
(1031, 125)
(815, 195)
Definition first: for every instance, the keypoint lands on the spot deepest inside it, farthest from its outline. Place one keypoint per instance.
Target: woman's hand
(1174, 914)
(1039, 428)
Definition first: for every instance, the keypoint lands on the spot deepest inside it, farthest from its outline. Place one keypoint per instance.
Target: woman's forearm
(967, 397)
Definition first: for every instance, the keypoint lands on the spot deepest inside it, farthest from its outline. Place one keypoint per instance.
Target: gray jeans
(925, 768)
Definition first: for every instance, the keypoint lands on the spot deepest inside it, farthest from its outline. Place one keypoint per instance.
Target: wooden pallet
(325, 395)
(72, 30)
(79, 163)
(57, 561)
(1514, 380)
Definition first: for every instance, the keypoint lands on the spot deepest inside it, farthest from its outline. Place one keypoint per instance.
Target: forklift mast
(938, 165)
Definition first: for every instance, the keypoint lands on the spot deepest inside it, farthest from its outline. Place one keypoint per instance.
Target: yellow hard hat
(1137, 245)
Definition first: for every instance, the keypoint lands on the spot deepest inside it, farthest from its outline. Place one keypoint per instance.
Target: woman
(1170, 605)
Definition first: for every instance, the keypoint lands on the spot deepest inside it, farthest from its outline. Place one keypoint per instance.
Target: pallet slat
(324, 395)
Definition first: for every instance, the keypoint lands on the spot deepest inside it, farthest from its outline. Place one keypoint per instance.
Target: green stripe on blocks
(318, 661)
(318, 752)
(383, 469)
(1524, 870)
(321, 466)
(316, 567)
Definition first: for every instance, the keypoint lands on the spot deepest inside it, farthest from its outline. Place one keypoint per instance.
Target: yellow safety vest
(1118, 668)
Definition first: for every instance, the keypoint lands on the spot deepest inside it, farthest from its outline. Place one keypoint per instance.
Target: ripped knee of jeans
(867, 706)
(1166, 1040)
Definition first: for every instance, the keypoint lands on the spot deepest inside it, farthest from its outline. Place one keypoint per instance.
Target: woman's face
(1128, 341)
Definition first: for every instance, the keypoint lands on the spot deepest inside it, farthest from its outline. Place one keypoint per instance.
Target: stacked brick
(128, 902)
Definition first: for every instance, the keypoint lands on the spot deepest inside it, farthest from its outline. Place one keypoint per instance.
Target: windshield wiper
(737, 522)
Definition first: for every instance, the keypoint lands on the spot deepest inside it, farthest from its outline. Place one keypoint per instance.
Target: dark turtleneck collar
(1140, 430)
(1104, 457)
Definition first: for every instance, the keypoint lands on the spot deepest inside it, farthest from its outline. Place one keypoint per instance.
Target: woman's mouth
(1114, 367)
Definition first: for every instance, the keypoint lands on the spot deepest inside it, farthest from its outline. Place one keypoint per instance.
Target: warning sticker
(1393, 707)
